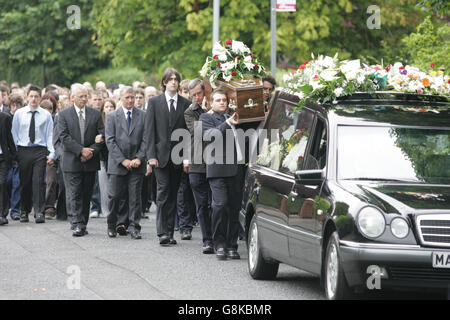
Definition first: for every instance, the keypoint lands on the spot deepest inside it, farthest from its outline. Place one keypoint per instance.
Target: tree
(430, 44)
(153, 35)
(37, 46)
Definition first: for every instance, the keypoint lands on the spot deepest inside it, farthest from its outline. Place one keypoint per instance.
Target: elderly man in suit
(7, 156)
(78, 127)
(126, 165)
(165, 114)
(224, 178)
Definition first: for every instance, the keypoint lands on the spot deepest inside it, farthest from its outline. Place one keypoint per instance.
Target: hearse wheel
(257, 266)
(336, 287)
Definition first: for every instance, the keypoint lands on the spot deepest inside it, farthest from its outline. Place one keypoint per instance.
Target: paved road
(37, 262)
(41, 261)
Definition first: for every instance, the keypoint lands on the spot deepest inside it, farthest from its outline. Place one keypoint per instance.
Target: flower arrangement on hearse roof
(232, 61)
(325, 79)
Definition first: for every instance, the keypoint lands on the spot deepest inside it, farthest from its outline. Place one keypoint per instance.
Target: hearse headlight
(399, 228)
(371, 222)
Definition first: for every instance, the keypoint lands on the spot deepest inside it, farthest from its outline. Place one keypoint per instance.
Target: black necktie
(172, 113)
(129, 120)
(32, 132)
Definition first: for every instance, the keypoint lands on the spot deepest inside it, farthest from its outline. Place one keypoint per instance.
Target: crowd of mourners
(77, 153)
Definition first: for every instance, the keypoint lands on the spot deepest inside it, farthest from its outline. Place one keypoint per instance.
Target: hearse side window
(317, 156)
(284, 152)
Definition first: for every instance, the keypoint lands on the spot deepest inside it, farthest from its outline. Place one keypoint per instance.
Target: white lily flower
(240, 47)
(329, 75)
(338, 92)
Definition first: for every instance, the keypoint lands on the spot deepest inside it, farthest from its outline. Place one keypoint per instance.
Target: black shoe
(3, 221)
(121, 230)
(135, 235)
(233, 254)
(220, 254)
(24, 217)
(186, 235)
(72, 227)
(112, 233)
(16, 217)
(145, 217)
(78, 232)
(164, 239)
(208, 249)
(40, 218)
(172, 241)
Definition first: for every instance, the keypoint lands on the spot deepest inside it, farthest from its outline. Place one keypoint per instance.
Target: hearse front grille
(425, 274)
(434, 229)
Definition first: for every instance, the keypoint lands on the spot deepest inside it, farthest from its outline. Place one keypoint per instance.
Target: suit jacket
(214, 124)
(123, 145)
(158, 130)
(70, 137)
(191, 115)
(6, 110)
(6, 139)
(57, 139)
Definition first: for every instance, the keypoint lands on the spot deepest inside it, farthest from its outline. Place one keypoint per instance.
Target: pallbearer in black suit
(126, 165)
(78, 127)
(7, 156)
(224, 178)
(165, 114)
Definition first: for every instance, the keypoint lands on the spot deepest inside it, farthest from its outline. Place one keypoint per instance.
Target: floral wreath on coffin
(232, 61)
(325, 79)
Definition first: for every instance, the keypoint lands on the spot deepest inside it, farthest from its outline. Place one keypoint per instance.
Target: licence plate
(441, 259)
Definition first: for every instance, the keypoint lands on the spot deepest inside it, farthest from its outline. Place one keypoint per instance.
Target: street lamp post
(273, 35)
(216, 18)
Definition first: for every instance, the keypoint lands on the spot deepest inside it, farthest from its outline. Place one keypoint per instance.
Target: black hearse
(357, 192)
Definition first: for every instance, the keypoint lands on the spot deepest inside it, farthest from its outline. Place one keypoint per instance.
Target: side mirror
(311, 177)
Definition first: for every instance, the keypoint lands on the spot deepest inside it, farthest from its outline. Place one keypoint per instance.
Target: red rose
(401, 68)
(216, 57)
(233, 74)
(448, 81)
(432, 65)
(251, 57)
(255, 66)
(302, 67)
(229, 42)
(388, 68)
(377, 68)
(219, 64)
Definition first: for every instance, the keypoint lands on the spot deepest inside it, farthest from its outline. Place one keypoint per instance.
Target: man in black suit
(126, 165)
(196, 167)
(78, 127)
(4, 91)
(165, 114)
(224, 176)
(7, 156)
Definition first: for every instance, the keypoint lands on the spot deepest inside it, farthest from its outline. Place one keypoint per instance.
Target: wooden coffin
(245, 98)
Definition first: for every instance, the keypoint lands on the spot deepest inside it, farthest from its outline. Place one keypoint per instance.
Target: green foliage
(430, 44)
(440, 7)
(34, 36)
(124, 75)
(153, 35)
